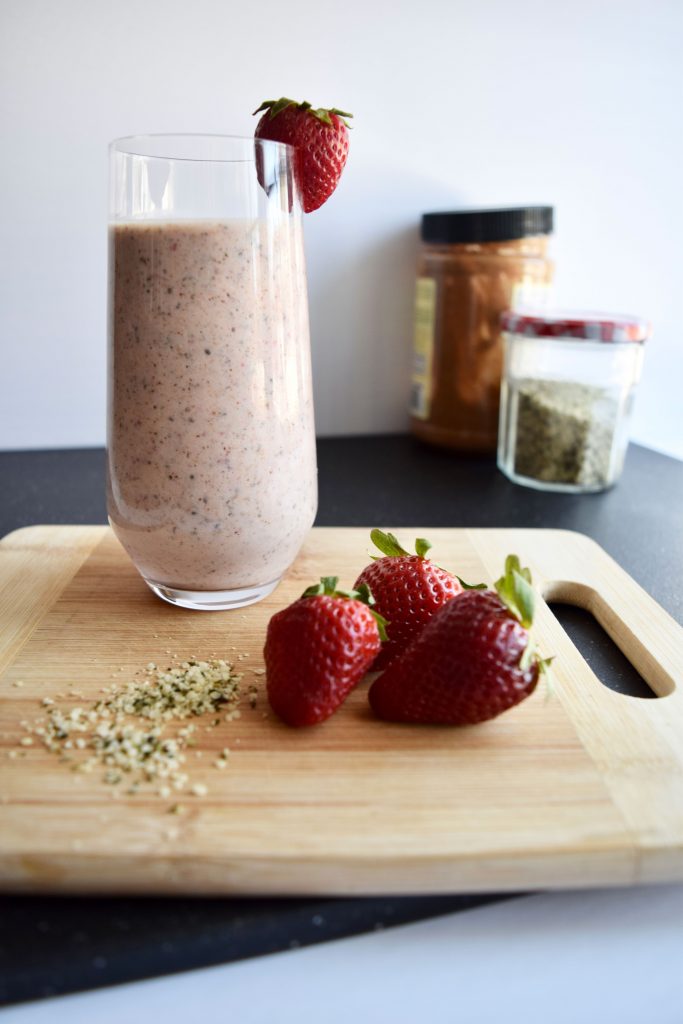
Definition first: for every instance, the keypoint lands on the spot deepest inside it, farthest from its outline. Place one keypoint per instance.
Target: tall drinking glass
(212, 482)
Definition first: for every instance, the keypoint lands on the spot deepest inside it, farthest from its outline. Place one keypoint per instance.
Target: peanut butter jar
(472, 265)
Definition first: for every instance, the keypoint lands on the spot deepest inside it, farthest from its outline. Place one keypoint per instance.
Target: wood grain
(584, 788)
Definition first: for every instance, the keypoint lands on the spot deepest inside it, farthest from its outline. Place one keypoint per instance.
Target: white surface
(590, 957)
(498, 103)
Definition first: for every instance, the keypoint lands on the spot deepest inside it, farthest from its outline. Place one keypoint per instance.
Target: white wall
(457, 102)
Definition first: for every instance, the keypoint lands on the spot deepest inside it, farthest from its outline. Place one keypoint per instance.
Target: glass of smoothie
(211, 467)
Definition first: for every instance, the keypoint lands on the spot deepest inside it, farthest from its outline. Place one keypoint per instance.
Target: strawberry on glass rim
(321, 139)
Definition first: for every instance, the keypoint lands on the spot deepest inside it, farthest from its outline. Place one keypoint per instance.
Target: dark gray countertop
(48, 946)
(396, 480)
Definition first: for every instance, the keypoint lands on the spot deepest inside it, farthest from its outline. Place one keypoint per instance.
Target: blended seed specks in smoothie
(211, 456)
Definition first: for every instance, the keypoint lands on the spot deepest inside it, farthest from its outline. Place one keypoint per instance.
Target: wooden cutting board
(582, 788)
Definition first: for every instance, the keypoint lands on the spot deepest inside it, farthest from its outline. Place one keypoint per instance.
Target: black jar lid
(474, 226)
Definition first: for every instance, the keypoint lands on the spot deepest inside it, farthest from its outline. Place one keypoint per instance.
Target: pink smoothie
(211, 458)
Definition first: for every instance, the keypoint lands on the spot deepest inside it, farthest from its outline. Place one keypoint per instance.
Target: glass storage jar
(566, 399)
(472, 265)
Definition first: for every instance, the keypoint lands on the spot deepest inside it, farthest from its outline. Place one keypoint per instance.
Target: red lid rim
(615, 328)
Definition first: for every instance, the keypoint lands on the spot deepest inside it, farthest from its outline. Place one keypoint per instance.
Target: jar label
(423, 347)
(531, 293)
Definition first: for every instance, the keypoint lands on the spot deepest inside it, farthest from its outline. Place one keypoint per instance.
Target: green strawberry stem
(471, 586)
(516, 592)
(548, 677)
(323, 114)
(390, 547)
(388, 544)
(328, 586)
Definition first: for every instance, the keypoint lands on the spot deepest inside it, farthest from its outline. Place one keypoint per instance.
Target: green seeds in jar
(564, 431)
(567, 395)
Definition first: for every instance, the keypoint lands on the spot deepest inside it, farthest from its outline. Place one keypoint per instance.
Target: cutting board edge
(206, 875)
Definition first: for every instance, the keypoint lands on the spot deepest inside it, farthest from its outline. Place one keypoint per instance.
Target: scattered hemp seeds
(125, 734)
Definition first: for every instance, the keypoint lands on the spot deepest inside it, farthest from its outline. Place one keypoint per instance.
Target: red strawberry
(321, 139)
(318, 649)
(474, 660)
(408, 590)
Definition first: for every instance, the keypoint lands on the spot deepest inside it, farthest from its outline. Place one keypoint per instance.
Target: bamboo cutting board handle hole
(606, 640)
(599, 651)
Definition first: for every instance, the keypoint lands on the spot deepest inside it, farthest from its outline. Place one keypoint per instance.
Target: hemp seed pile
(126, 734)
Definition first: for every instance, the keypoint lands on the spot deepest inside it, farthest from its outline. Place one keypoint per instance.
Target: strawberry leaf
(387, 544)
(526, 599)
(381, 625)
(390, 546)
(516, 592)
(323, 114)
(422, 546)
(327, 585)
(471, 586)
(276, 107)
(528, 656)
(364, 594)
(548, 677)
